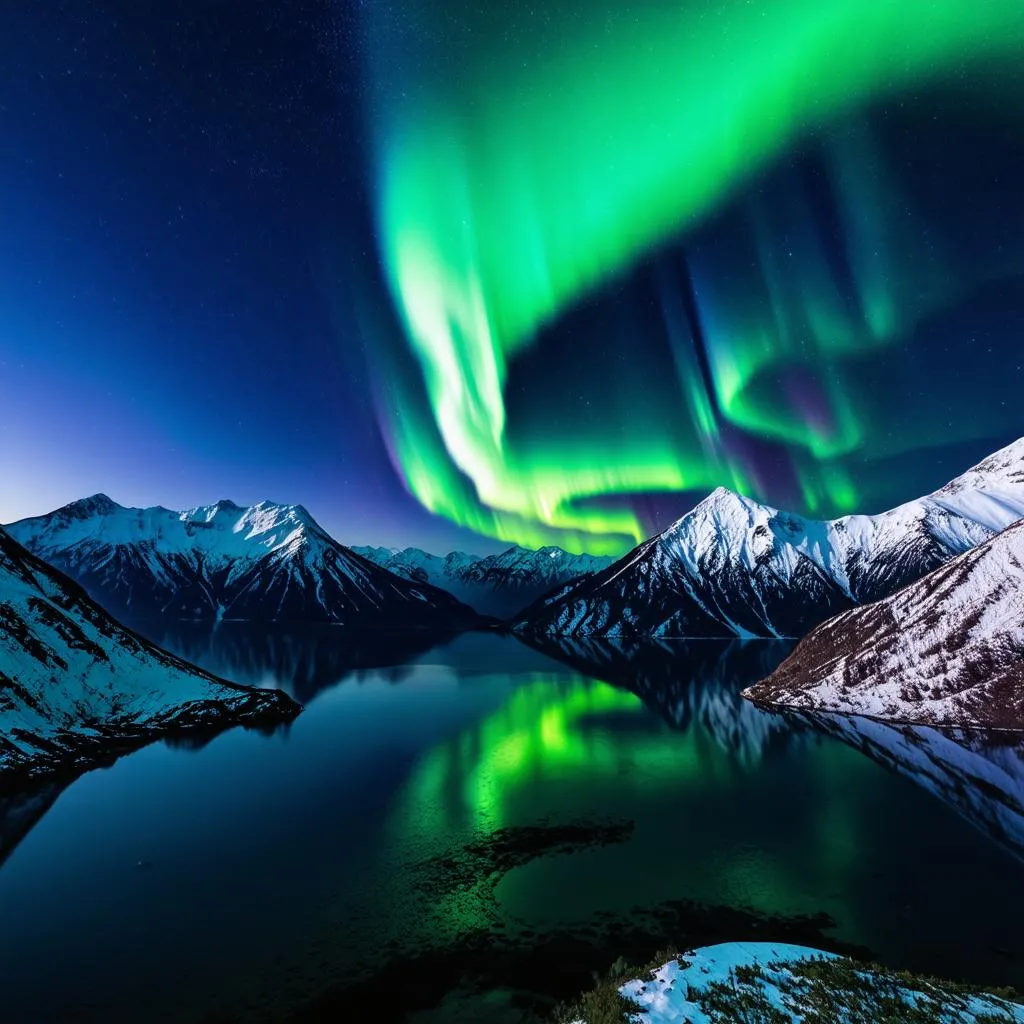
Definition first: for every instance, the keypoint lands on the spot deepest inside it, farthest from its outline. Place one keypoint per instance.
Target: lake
(480, 815)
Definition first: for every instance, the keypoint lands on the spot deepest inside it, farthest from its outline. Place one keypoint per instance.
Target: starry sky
(454, 275)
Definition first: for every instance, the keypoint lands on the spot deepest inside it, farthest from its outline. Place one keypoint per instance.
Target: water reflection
(687, 681)
(301, 661)
(978, 774)
(19, 812)
(705, 786)
(283, 863)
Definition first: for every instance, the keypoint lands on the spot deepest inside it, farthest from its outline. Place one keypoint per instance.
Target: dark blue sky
(180, 205)
(185, 243)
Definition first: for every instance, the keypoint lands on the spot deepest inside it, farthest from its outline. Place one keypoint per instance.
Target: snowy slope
(76, 688)
(734, 567)
(500, 584)
(267, 562)
(948, 649)
(761, 981)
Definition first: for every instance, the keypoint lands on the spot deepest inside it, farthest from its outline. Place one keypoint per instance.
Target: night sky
(551, 274)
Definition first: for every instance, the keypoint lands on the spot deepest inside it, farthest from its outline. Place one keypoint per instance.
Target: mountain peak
(95, 505)
(267, 562)
(722, 497)
(720, 505)
(944, 650)
(734, 566)
(264, 515)
(298, 512)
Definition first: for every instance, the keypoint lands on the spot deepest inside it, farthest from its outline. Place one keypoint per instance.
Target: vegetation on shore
(821, 989)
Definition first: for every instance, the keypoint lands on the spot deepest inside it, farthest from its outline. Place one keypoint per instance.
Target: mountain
(734, 567)
(500, 584)
(946, 650)
(267, 562)
(77, 688)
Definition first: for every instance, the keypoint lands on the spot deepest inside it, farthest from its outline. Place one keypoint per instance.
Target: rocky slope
(734, 567)
(498, 585)
(946, 650)
(77, 688)
(265, 563)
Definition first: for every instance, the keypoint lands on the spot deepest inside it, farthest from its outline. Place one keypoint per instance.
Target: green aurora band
(514, 179)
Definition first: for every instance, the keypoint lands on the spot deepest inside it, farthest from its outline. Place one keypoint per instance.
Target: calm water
(245, 878)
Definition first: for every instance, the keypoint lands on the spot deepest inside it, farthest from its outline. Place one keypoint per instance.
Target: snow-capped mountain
(77, 688)
(734, 567)
(946, 650)
(500, 584)
(265, 563)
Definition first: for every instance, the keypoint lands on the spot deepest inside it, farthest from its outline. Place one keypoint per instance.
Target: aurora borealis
(457, 275)
(525, 161)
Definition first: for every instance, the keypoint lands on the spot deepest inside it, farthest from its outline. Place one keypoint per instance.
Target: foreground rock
(776, 983)
(734, 567)
(77, 689)
(947, 650)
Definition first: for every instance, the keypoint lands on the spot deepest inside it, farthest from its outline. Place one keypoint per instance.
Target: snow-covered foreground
(77, 688)
(777, 983)
(735, 567)
(946, 650)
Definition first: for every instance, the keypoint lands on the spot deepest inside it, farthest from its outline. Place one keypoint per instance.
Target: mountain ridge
(264, 562)
(735, 567)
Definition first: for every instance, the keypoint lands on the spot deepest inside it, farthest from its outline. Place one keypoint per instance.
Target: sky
(455, 275)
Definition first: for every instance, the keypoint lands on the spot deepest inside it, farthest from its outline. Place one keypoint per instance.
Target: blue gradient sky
(179, 207)
(188, 272)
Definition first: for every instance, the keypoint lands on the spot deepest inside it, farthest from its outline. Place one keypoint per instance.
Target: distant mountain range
(734, 567)
(265, 563)
(76, 688)
(946, 650)
(498, 585)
